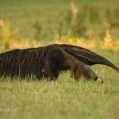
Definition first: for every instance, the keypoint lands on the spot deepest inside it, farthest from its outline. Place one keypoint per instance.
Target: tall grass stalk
(5, 33)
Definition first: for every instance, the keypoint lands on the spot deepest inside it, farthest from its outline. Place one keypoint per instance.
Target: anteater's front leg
(79, 69)
(50, 70)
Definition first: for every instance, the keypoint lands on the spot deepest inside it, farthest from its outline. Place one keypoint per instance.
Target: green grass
(63, 98)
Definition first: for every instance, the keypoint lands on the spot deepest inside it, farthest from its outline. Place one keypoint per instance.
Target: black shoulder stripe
(81, 58)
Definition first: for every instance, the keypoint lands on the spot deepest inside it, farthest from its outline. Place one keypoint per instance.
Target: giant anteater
(50, 61)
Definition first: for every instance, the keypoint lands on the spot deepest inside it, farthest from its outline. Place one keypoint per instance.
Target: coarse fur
(58, 60)
(21, 63)
(48, 61)
(86, 56)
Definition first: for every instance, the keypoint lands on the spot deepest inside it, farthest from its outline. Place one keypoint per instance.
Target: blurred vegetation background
(58, 20)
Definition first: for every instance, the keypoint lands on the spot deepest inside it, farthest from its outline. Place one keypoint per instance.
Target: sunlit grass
(64, 98)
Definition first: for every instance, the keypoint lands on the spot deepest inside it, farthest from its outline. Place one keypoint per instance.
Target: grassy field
(64, 98)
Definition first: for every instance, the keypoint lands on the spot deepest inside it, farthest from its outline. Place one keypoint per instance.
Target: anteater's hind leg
(39, 74)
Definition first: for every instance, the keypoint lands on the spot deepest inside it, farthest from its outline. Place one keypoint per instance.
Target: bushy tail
(86, 56)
